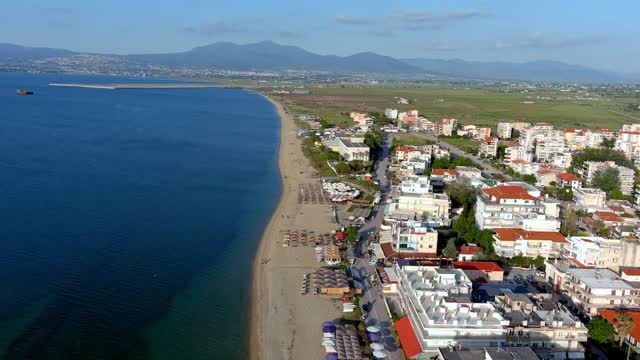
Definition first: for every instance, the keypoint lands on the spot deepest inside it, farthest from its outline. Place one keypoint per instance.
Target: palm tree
(623, 325)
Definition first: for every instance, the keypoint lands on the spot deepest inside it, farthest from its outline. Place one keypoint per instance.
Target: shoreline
(283, 323)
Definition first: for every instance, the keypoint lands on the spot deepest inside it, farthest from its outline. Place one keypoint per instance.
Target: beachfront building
(589, 198)
(516, 205)
(431, 208)
(537, 322)
(510, 242)
(351, 150)
(412, 239)
(440, 311)
(487, 353)
(589, 290)
(488, 147)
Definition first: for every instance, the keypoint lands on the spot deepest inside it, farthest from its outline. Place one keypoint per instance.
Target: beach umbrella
(374, 337)
(329, 329)
(329, 349)
(328, 335)
(376, 346)
(328, 342)
(373, 329)
(379, 354)
(327, 323)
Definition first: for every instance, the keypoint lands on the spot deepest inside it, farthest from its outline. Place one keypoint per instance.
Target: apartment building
(516, 205)
(488, 147)
(433, 208)
(487, 353)
(441, 313)
(391, 113)
(446, 127)
(589, 198)
(626, 175)
(536, 322)
(351, 150)
(509, 242)
(516, 152)
(548, 145)
(403, 153)
(475, 132)
(628, 141)
(594, 251)
(590, 290)
(416, 185)
(412, 238)
(504, 130)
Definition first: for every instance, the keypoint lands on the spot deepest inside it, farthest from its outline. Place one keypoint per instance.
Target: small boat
(24, 92)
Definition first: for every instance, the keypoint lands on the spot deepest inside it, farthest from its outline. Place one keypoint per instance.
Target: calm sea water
(129, 219)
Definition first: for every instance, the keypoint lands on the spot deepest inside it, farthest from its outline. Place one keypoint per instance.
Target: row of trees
(446, 163)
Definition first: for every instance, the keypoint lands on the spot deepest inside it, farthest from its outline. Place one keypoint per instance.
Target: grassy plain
(469, 105)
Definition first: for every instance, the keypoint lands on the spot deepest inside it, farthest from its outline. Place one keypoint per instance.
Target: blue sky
(593, 33)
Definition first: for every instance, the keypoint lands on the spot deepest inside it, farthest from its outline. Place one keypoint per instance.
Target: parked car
(344, 299)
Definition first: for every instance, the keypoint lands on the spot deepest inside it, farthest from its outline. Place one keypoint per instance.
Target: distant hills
(267, 55)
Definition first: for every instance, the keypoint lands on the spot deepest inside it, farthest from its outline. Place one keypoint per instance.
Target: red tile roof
(509, 192)
(631, 271)
(470, 250)
(616, 208)
(579, 264)
(568, 177)
(408, 339)
(477, 265)
(610, 316)
(405, 148)
(513, 234)
(442, 172)
(608, 216)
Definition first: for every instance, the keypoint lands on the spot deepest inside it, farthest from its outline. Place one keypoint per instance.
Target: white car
(373, 261)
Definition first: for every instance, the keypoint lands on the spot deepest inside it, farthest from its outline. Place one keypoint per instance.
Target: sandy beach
(285, 324)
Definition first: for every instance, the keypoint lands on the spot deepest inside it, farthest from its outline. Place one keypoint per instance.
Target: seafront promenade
(146, 86)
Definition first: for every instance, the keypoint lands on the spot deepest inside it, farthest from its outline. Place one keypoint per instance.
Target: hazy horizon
(582, 33)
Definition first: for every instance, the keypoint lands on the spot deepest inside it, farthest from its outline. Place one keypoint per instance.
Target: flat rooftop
(599, 278)
(350, 144)
(493, 353)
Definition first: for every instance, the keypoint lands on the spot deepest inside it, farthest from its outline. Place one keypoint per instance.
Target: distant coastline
(145, 86)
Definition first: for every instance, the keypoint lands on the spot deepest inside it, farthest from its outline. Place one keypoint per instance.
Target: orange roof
(405, 148)
(513, 234)
(470, 250)
(616, 208)
(610, 316)
(568, 177)
(408, 339)
(477, 265)
(608, 216)
(442, 172)
(488, 139)
(579, 264)
(509, 192)
(631, 271)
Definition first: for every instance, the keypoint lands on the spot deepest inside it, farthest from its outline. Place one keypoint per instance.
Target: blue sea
(129, 218)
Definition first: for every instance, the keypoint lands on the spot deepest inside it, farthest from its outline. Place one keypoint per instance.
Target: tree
(600, 330)
(529, 179)
(342, 168)
(441, 163)
(463, 161)
(515, 133)
(351, 233)
(599, 154)
(566, 193)
(461, 194)
(607, 143)
(450, 250)
(569, 226)
(607, 180)
(465, 226)
(484, 239)
(601, 229)
(623, 325)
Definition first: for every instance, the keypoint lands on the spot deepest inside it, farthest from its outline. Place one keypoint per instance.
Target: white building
(591, 289)
(589, 198)
(445, 127)
(504, 130)
(413, 237)
(416, 185)
(442, 314)
(625, 175)
(433, 208)
(391, 113)
(353, 150)
(516, 205)
(599, 252)
(509, 242)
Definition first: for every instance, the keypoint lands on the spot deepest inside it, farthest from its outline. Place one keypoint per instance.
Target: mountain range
(267, 55)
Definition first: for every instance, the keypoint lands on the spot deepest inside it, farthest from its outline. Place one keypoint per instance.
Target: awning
(408, 338)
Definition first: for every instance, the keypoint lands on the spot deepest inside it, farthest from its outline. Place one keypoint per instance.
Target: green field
(461, 143)
(401, 139)
(469, 106)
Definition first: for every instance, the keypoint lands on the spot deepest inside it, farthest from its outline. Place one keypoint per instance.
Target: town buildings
(488, 147)
(445, 127)
(569, 179)
(510, 242)
(412, 239)
(446, 175)
(589, 198)
(480, 270)
(431, 208)
(598, 252)
(504, 130)
(441, 312)
(516, 205)
(590, 290)
(475, 132)
(625, 175)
